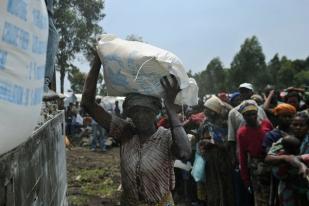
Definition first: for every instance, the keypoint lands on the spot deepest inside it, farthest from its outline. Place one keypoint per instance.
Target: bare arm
(268, 99)
(277, 159)
(294, 161)
(181, 147)
(88, 99)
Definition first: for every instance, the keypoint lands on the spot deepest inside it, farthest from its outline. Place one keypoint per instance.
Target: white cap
(246, 85)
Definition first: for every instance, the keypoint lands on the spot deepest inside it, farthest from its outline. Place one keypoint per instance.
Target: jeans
(52, 46)
(97, 129)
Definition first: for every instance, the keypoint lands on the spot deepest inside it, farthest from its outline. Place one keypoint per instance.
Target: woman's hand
(303, 170)
(292, 160)
(181, 147)
(171, 90)
(296, 162)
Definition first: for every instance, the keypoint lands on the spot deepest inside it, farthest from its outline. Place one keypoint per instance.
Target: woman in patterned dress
(147, 153)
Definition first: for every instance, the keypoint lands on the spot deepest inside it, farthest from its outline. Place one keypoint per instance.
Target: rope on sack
(139, 69)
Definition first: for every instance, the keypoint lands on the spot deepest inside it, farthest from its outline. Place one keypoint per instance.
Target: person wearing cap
(235, 121)
(218, 182)
(147, 153)
(254, 173)
(245, 90)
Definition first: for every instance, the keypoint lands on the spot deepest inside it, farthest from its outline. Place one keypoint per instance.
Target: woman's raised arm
(89, 93)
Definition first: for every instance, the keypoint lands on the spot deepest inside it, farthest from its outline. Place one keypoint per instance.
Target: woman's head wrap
(284, 108)
(257, 98)
(247, 106)
(139, 100)
(215, 104)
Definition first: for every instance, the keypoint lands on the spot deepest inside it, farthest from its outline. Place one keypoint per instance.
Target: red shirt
(163, 122)
(198, 118)
(249, 141)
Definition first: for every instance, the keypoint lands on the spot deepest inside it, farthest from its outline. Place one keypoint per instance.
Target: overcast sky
(199, 30)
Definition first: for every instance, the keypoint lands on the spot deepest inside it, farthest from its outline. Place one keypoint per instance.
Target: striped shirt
(147, 171)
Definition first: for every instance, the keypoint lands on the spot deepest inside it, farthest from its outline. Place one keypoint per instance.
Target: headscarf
(247, 106)
(284, 108)
(257, 98)
(215, 104)
(140, 100)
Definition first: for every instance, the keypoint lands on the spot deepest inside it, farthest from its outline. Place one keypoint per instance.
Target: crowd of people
(80, 125)
(254, 148)
(245, 148)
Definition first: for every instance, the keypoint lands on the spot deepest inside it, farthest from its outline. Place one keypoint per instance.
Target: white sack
(131, 66)
(23, 42)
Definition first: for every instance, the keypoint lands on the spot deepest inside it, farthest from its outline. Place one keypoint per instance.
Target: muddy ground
(93, 177)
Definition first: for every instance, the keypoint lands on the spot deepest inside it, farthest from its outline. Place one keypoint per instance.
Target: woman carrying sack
(147, 154)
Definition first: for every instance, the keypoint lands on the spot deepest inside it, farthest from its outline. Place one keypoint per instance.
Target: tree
(201, 80)
(249, 64)
(299, 65)
(212, 79)
(134, 37)
(77, 25)
(302, 78)
(216, 76)
(286, 73)
(273, 67)
(77, 79)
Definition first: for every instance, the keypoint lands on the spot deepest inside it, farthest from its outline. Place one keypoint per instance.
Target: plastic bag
(136, 67)
(23, 42)
(198, 169)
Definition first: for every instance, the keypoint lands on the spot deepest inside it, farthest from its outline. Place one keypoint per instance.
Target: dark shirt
(272, 137)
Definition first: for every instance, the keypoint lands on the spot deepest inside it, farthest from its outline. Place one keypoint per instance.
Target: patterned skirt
(260, 175)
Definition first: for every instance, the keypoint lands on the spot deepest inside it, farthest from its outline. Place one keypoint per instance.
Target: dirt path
(93, 177)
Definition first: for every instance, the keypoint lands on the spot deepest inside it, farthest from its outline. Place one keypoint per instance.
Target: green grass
(93, 182)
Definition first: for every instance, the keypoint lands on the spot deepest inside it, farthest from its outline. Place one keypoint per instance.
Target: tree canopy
(77, 25)
(134, 37)
(249, 66)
